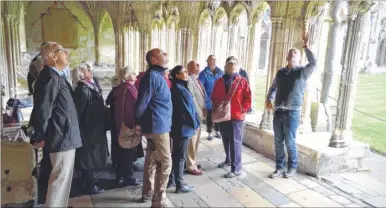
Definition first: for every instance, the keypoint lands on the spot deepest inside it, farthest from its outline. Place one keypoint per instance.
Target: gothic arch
(205, 17)
(259, 11)
(237, 10)
(219, 14)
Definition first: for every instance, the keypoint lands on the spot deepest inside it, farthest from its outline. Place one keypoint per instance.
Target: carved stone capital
(295, 9)
(356, 7)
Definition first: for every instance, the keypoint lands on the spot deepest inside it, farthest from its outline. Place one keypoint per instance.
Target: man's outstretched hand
(305, 38)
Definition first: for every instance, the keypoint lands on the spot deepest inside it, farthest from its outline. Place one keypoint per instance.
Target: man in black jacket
(55, 123)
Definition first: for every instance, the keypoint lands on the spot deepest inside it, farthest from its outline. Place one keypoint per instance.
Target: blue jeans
(285, 124)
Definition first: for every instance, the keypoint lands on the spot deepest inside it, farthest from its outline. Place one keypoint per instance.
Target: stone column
(334, 54)
(305, 120)
(195, 34)
(125, 44)
(183, 45)
(275, 62)
(342, 134)
(144, 48)
(253, 50)
(14, 55)
(179, 46)
(8, 49)
(189, 42)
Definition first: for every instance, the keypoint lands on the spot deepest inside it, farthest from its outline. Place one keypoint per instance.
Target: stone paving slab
(81, 201)
(248, 198)
(379, 201)
(310, 198)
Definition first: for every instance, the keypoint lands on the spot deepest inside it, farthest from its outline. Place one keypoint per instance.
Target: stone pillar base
(315, 157)
(319, 119)
(267, 120)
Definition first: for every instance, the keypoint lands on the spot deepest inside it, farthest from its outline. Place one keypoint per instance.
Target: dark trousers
(44, 175)
(30, 80)
(209, 123)
(180, 149)
(232, 138)
(125, 159)
(285, 125)
(88, 178)
(114, 147)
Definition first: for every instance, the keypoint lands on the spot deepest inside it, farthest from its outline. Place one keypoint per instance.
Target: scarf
(229, 80)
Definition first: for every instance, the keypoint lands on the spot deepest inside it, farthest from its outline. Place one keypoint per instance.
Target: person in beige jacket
(199, 96)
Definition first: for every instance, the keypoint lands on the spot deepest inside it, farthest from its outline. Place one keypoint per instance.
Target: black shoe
(210, 138)
(277, 173)
(131, 182)
(199, 166)
(290, 173)
(223, 164)
(95, 190)
(144, 200)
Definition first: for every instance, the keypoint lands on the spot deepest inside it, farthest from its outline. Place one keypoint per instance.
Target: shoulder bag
(222, 112)
(128, 138)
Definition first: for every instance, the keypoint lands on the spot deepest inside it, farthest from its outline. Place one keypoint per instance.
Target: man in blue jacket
(288, 90)
(208, 77)
(154, 115)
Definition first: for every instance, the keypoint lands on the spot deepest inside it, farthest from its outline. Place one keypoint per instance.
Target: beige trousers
(192, 150)
(59, 184)
(157, 167)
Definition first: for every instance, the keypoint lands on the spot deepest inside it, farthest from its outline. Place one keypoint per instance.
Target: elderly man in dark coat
(90, 107)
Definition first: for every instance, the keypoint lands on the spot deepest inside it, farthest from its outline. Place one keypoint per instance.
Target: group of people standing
(168, 107)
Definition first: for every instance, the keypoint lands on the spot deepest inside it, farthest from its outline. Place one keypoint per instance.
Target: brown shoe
(195, 172)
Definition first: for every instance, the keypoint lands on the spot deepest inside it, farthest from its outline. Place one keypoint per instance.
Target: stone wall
(86, 44)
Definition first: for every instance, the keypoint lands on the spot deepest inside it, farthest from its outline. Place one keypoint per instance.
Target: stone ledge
(314, 156)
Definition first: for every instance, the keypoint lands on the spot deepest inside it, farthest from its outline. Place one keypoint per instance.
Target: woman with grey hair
(125, 98)
(89, 105)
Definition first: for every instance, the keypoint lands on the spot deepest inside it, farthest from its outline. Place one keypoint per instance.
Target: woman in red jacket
(232, 131)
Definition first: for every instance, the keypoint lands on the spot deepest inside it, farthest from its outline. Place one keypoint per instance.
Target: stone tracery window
(221, 39)
(171, 44)
(239, 43)
(204, 40)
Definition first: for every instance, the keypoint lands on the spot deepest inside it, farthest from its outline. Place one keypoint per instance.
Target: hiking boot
(277, 173)
(290, 173)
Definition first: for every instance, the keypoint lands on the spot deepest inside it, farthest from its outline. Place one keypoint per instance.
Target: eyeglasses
(61, 49)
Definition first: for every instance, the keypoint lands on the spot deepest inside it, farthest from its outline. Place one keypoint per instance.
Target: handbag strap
(234, 90)
(123, 103)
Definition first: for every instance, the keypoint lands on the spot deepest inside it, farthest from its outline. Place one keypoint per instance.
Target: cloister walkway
(253, 189)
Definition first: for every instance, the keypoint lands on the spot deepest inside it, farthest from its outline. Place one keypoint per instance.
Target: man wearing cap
(154, 115)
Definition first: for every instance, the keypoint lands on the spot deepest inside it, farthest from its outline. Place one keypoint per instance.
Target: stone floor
(252, 189)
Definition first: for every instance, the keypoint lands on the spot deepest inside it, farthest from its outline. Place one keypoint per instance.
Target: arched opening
(381, 50)
(171, 43)
(107, 41)
(239, 43)
(204, 39)
(221, 36)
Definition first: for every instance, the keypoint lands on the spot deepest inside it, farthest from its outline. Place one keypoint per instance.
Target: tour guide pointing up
(288, 90)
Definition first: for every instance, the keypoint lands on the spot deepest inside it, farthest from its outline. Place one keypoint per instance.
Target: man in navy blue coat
(154, 115)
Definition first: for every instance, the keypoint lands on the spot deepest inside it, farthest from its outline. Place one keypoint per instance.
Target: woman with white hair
(89, 105)
(125, 98)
